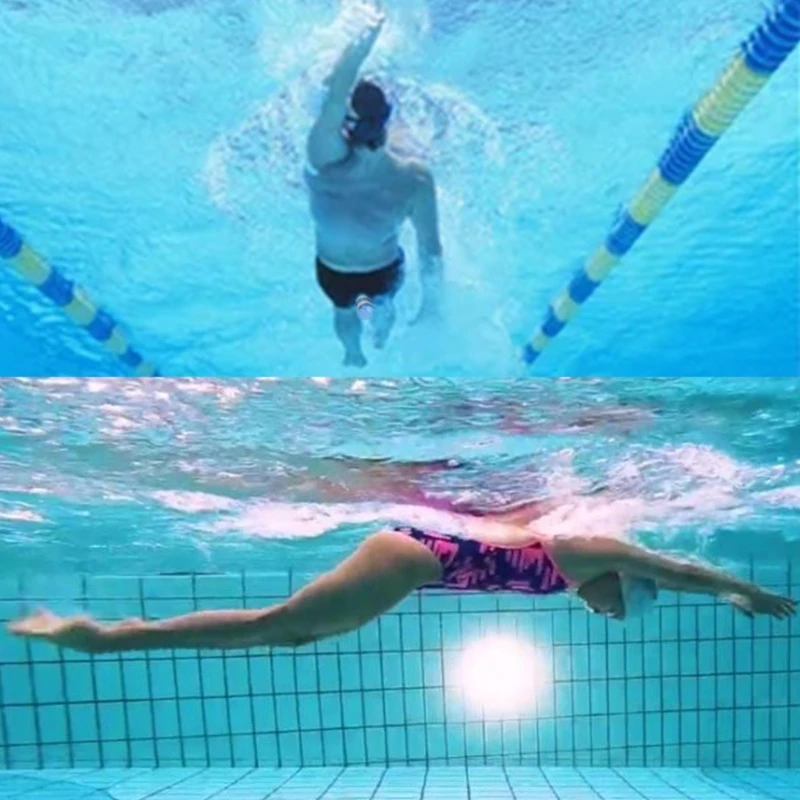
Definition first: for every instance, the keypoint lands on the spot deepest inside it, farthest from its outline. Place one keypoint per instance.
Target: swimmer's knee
(284, 626)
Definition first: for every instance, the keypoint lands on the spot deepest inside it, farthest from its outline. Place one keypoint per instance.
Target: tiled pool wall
(693, 685)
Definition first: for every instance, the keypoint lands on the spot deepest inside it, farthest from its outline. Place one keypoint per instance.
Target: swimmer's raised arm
(682, 576)
(425, 219)
(326, 143)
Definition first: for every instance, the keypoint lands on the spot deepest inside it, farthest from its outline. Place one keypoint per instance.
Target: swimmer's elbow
(670, 573)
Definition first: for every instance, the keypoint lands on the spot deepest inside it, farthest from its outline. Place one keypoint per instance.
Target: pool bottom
(402, 783)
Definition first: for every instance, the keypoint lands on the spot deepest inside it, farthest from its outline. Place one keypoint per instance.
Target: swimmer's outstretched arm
(682, 576)
(326, 144)
(425, 218)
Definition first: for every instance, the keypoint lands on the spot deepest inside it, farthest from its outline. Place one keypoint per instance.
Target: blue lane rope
(757, 58)
(73, 300)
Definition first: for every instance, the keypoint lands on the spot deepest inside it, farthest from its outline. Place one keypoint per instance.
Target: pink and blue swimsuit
(468, 564)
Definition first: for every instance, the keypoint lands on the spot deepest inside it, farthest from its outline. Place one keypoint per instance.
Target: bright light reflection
(502, 675)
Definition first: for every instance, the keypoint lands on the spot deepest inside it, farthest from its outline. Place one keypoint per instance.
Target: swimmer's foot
(355, 359)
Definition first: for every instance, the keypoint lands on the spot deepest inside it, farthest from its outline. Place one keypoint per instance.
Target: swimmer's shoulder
(415, 169)
(416, 176)
(333, 171)
(583, 557)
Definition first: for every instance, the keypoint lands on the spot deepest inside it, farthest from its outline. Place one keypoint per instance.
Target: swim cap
(371, 111)
(638, 595)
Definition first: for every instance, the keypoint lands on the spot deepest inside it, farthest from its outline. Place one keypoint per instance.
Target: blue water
(153, 150)
(123, 498)
(137, 478)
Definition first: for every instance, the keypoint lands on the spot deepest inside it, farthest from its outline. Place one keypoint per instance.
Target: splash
(219, 467)
(266, 152)
(276, 520)
(193, 502)
(787, 497)
(21, 515)
(667, 491)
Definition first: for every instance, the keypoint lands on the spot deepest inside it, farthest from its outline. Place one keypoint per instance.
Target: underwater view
(199, 474)
(360, 589)
(154, 153)
(178, 514)
(399, 400)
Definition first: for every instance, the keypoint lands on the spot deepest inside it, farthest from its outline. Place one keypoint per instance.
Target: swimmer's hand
(79, 633)
(373, 24)
(432, 289)
(75, 633)
(345, 71)
(758, 601)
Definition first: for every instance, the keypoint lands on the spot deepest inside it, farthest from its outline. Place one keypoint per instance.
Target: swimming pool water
(154, 149)
(202, 494)
(197, 474)
(411, 783)
(691, 686)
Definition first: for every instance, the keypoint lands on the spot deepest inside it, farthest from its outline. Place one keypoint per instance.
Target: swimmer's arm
(669, 572)
(425, 219)
(326, 144)
(681, 576)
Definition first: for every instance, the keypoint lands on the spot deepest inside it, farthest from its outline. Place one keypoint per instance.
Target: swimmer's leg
(348, 329)
(382, 320)
(384, 569)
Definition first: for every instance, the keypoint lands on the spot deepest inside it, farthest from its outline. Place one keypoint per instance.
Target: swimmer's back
(358, 213)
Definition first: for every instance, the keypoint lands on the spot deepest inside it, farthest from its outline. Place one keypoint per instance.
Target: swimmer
(611, 577)
(361, 193)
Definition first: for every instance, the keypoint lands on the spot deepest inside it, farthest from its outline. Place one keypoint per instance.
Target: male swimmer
(361, 194)
(502, 553)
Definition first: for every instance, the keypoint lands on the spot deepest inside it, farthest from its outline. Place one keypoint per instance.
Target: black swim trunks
(344, 287)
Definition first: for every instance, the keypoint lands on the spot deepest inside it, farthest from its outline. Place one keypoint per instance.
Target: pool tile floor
(402, 783)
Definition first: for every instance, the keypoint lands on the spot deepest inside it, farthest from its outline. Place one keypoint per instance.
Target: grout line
(225, 789)
(290, 778)
(375, 791)
(172, 785)
(149, 680)
(619, 775)
(508, 783)
(248, 662)
(34, 694)
(330, 785)
(736, 775)
(181, 738)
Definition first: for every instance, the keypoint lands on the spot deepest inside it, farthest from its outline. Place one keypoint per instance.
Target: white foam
(21, 515)
(275, 520)
(704, 462)
(785, 497)
(193, 502)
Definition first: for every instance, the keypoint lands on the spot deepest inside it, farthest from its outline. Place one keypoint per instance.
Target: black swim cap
(369, 100)
(371, 112)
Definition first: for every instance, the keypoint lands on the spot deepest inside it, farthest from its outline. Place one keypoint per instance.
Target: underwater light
(502, 675)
